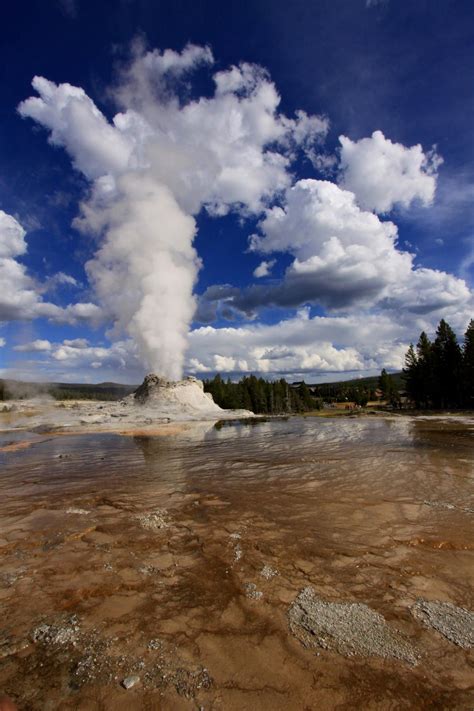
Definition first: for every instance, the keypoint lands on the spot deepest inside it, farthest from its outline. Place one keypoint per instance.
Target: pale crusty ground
(45, 415)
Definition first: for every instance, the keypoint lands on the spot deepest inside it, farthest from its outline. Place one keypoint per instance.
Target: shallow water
(370, 510)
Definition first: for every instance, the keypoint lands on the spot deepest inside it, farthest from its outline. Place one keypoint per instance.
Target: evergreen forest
(439, 374)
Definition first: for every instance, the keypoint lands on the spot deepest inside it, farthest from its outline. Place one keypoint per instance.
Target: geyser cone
(175, 397)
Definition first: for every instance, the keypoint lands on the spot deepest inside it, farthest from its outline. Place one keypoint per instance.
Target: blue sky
(133, 245)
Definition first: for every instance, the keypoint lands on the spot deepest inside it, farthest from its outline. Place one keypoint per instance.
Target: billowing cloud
(17, 293)
(12, 237)
(38, 346)
(339, 250)
(2, 342)
(167, 155)
(432, 294)
(316, 213)
(121, 355)
(156, 165)
(299, 346)
(344, 258)
(20, 295)
(74, 122)
(383, 174)
(230, 150)
(76, 360)
(308, 347)
(72, 358)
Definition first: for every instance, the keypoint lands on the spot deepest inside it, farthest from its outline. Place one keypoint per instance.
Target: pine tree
(389, 390)
(424, 351)
(385, 384)
(468, 366)
(360, 396)
(305, 396)
(410, 375)
(447, 367)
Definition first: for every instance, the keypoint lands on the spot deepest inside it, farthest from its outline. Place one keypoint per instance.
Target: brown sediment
(160, 431)
(178, 559)
(163, 430)
(16, 446)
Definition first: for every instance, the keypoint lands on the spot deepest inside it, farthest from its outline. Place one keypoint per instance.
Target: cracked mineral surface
(175, 559)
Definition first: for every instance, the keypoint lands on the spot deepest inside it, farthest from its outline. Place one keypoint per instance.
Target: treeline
(340, 392)
(440, 374)
(261, 396)
(17, 390)
(264, 397)
(92, 391)
(357, 393)
(355, 390)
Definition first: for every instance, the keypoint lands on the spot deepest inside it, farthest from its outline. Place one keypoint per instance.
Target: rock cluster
(347, 628)
(454, 623)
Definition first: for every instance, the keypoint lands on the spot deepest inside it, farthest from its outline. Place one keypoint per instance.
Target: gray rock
(268, 572)
(251, 591)
(154, 520)
(93, 420)
(57, 635)
(454, 623)
(130, 681)
(347, 628)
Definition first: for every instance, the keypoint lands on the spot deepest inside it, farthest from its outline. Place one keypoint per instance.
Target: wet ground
(178, 561)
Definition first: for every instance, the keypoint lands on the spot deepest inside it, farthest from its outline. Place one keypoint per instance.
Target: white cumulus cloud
(383, 174)
(299, 346)
(38, 346)
(20, 295)
(343, 254)
(344, 257)
(76, 123)
(264, 268)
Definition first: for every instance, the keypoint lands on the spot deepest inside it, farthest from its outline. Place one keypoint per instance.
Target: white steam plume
(146, 268)
(158, 163)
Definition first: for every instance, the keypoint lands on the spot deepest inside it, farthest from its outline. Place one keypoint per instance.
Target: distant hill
(16, 389)
(341, 389)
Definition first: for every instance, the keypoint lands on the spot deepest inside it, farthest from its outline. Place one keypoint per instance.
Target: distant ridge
(17, 389)
(341, 388)
(108, 390)
(371, 380)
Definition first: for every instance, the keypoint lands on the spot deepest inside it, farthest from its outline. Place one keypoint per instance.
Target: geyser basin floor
(81, 416)
(176, 560)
